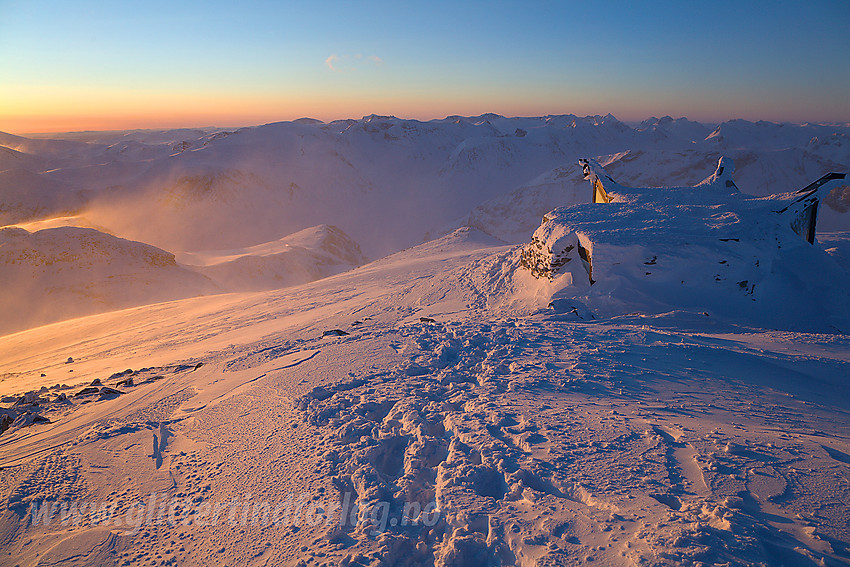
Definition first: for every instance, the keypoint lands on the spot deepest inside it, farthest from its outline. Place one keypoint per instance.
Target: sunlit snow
(391, 342)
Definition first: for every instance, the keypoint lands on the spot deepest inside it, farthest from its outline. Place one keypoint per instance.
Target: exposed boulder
(29, 418)
(87, 391)
(29, 398)
(107, 392)
(334, 333)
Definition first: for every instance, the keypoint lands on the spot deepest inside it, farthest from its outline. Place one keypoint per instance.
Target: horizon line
(483, 116)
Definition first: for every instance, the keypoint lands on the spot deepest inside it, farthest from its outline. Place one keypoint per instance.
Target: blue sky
(152, 63)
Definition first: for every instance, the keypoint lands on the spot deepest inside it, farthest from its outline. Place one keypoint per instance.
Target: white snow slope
(65, 272)
(307, 255)
(436, 392)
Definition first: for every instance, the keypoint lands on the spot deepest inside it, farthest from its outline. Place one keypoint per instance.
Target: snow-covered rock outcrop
(707, 249)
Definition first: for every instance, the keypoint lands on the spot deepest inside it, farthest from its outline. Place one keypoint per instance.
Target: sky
(92, 65)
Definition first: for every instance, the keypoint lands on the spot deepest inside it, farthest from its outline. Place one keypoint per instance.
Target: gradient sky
(76, 65)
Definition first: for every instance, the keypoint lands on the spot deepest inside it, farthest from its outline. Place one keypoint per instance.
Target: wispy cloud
(344, 63)
(331, 61)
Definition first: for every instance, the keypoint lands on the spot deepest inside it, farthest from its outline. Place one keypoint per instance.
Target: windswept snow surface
(66, 272)
(428, 391)
(307, 255)
(440, 405)
(61, 268)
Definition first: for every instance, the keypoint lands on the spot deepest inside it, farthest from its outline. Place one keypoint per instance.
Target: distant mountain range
(359, 188)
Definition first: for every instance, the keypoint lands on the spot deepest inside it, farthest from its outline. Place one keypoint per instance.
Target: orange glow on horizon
(90, 109)
(83, 109)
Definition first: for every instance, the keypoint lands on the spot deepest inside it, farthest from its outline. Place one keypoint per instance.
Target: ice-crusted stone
(28, 418)
(29, 398)
(555, 249)
(87, 391)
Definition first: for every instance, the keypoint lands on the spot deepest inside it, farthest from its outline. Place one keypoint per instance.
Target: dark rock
(6, 419)
(30, 398)
(334, 333)
(426, 320)
(416, 370)
(121, 374)
(88, 391)
(96, 382)
(126, 382)
(107, 392)
(69, 361)
(28, 418)
(320, 393)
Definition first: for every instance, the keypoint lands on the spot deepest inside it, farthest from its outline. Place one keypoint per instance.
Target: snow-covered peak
(722, 176)
(681, 129)
(706, 248)
(305, 256)
(768, 135)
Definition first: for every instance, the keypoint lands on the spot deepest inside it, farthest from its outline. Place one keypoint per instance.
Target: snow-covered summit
(679, 128)
(766, 135)
(707, 248)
